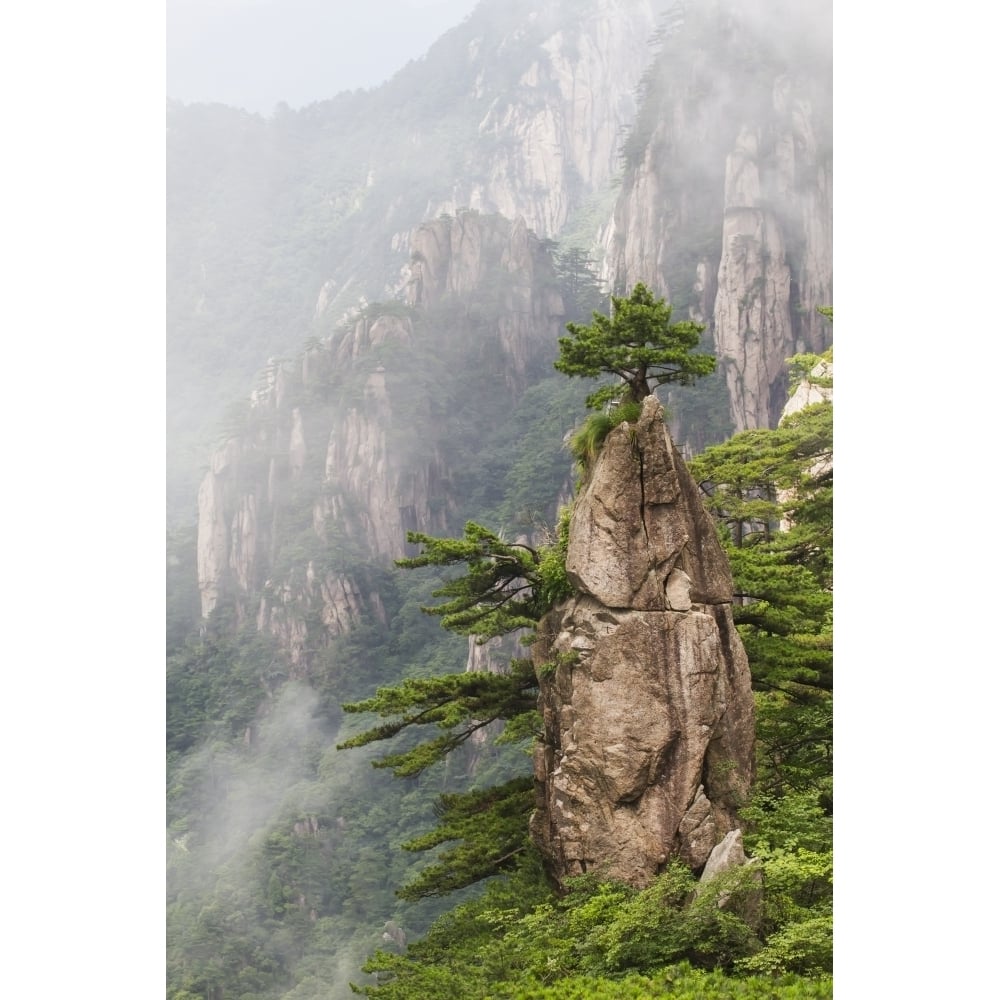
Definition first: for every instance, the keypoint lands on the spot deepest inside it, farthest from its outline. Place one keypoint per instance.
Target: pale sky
(255, 53)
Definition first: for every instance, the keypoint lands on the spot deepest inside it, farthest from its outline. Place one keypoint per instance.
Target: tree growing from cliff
(499, 591)
(506, 587)
(638, 343)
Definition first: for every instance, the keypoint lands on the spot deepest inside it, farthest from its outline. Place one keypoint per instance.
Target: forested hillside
(365, 304)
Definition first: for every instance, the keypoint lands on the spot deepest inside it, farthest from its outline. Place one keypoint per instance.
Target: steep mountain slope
(726, 204)
(370, 434)
(386, 262)
(277, 227)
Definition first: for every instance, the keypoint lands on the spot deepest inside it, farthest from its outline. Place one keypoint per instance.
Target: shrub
(585, 444)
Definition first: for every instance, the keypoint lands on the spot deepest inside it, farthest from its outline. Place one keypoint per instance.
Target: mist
(364, 300)
(284, 787)
(256, 54)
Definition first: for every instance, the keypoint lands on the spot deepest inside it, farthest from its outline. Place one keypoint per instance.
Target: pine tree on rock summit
(639, 344)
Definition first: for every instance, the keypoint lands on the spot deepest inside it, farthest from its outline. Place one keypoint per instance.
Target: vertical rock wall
(726, 204)
(549, 137)
(645, 693)
(334, 468)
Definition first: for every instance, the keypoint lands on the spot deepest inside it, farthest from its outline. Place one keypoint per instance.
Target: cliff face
(277, 228)
(648, 715)
(503, 266)
(350, 446)
(551, 130)
(777, 261)
(726, 206)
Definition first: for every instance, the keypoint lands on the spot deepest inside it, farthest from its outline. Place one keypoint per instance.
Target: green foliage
(523, 452)
(497, 595)
(742, 477)
(669, 922)
(802, 366)
(797, 913)
(639, 344)
(772, 492)
(805, 947)
(565, 660)
(488, 825)
(585, 444)
(578, 283)
(606, 939)
(783, 815)
(795, 743)
(507, 587)
(784, 620)
(216, 682)
(553, 583)
(679, 982)
(458, 704)
(491, 829)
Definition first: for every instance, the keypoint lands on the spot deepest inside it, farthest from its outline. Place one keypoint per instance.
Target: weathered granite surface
(644, 684)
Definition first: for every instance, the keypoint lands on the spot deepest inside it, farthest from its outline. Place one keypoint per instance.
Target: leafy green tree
(773, 492)
(639, 344)
(486, 828)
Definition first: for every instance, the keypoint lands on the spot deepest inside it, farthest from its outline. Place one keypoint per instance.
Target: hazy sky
(255, 53)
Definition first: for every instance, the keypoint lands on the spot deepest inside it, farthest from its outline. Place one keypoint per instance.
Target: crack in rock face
(647, 752)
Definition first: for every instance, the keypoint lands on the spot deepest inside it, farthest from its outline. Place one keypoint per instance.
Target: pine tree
(506, 587)
(498, 593)
(639, 344)
(772, 493)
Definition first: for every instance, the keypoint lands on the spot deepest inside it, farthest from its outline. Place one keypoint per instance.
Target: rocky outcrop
(342, 451)
(728, 853)
(726, 204)
(648, 717)
(550, 136)
(816, 387)
(500, 263)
